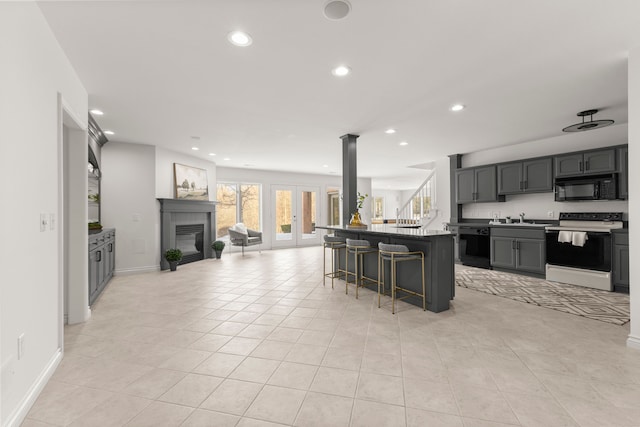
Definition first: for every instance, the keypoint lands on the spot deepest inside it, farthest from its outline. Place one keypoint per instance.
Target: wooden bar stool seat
(395, 254)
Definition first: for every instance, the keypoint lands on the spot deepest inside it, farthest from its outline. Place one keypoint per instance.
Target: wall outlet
(20, 346)
(550, 214)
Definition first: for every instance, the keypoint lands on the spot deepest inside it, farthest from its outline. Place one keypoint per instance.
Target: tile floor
(258, 341)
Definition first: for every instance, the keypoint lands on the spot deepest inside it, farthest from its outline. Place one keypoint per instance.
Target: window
(237, 203)
(378, 207)
(420, 206)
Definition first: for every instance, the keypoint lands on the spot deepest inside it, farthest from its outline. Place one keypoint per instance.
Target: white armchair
(240, 235)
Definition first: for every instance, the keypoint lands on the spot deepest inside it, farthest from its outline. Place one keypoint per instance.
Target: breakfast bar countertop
(390, 230)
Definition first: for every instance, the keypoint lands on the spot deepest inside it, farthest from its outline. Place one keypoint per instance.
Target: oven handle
(586, 231)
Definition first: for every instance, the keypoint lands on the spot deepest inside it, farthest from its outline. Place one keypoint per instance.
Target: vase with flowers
(356, 221)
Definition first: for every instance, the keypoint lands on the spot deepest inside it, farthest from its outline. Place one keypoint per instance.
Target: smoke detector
(588, 125)
(337, 9)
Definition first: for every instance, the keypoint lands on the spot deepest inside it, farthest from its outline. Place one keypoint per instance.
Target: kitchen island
(437, 246)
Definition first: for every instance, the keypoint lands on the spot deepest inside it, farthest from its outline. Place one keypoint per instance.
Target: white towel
(565, 236)
(578, 238)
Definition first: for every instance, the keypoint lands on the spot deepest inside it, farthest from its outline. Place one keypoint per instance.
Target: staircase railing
(420, 210)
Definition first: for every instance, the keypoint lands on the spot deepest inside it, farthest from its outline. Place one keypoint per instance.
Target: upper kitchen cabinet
(590, 162)
(531, 176)
(477, 185)
(623, 179)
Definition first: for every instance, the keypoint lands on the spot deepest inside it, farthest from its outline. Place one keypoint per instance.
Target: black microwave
(597, 187)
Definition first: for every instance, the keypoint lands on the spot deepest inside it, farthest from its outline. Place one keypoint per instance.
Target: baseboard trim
(20, 413)
(633, 342)
(137, 270)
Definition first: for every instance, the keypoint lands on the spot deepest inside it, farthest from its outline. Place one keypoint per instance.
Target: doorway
(294, 215)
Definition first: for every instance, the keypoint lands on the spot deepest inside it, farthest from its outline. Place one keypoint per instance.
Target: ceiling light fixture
(336, 9)
(325, 166)
(390, 131)
(403, 143)
(239, 38)
(212, 154)
(457, 107)
(226, 158)
(195, 148)
(96, 112)
(341, 71)
(591, 124)
(109, 132)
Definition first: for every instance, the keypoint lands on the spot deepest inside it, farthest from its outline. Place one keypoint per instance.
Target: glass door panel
(283, 216)
(308, 214)
(294, 215)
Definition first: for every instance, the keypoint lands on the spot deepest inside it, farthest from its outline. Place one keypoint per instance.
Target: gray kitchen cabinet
(589, 162)
(101, 261)
(531, 176)
(623, 179)
(519, 250)
(476, 185)
(621, 261)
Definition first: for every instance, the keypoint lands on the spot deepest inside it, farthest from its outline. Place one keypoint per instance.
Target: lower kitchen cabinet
(621, 262)
(102, 255)
(519, 250)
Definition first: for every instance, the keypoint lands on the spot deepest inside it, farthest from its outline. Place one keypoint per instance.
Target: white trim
(633, 342)
(137, 270)
(21, 411)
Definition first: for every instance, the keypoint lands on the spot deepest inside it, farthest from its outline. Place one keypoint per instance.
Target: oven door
(594, 255)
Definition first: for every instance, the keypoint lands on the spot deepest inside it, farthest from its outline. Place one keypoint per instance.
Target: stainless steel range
(579, 248)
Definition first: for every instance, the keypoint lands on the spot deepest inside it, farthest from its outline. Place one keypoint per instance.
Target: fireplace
(187, 225)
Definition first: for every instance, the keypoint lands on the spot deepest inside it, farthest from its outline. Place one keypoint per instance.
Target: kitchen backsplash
(538, 206)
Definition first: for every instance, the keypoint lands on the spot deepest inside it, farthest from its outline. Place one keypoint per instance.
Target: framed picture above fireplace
(190, 183)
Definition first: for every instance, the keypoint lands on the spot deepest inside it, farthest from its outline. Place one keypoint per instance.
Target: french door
(295, 210)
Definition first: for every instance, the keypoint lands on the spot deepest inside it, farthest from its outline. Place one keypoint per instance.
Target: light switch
(52, 221)
(43, 222)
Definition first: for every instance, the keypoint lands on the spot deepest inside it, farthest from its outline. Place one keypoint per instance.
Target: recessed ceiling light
(457, 107)
(226, 158)
(108, 132)
(96, 112)
(240, 38)
(195, 148)
(390, 131)
(325, 166)
(341, 71)
(212, 154)
(337, 9)
(403, 143)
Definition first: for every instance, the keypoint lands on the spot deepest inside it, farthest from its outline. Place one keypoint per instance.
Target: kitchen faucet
(521, 217)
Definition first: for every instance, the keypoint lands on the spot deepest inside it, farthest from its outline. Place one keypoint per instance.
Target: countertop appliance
(474, 246)
(579, 248)
(599, 187)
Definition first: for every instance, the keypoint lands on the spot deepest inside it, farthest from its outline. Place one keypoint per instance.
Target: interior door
(294, 216)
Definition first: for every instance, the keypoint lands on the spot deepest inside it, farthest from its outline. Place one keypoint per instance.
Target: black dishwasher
(475, 246)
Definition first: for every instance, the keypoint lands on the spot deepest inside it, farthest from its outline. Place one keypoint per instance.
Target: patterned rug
(610, 307)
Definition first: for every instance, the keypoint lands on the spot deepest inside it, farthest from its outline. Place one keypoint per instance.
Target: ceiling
(163, 72)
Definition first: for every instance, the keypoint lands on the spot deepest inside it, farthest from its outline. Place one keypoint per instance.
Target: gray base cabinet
(621, 262)
(520, 250)
(102, 253)
(623, 179)
(590, 162)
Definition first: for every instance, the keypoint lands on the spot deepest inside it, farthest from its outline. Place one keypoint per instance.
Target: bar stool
(358, 248)
(395, 254)
(335, 243)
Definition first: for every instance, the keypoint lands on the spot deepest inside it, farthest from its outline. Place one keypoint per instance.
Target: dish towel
(565, 237)
(578, 238)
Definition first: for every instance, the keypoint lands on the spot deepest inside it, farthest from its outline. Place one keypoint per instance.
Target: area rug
(610, 307)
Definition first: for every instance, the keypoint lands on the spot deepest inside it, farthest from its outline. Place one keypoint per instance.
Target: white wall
(129, 204)
(634, 195)
(536, 206)
(392, 201)
(34, 70)
(270, 178)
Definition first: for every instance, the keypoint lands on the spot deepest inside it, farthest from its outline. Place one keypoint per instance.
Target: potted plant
(355, 220)
(173, 257)
(218, 246)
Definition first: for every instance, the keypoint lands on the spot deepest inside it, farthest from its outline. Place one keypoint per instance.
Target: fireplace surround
(188, 225)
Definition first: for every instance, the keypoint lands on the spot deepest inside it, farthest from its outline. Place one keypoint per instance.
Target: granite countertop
(391, 230)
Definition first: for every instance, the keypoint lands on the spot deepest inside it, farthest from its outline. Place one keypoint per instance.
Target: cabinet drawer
(517, 233)
(621, 238)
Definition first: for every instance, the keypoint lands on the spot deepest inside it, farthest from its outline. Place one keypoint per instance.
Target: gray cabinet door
(537, 175)
(530, 255)
(465, 186)
(486, 186)
(568, 165)
(623, 165)
(600, 161)
(510, 178)
(503, 252)
(621, 265)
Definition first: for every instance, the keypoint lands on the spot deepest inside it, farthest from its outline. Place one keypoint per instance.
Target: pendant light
(589, 125)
